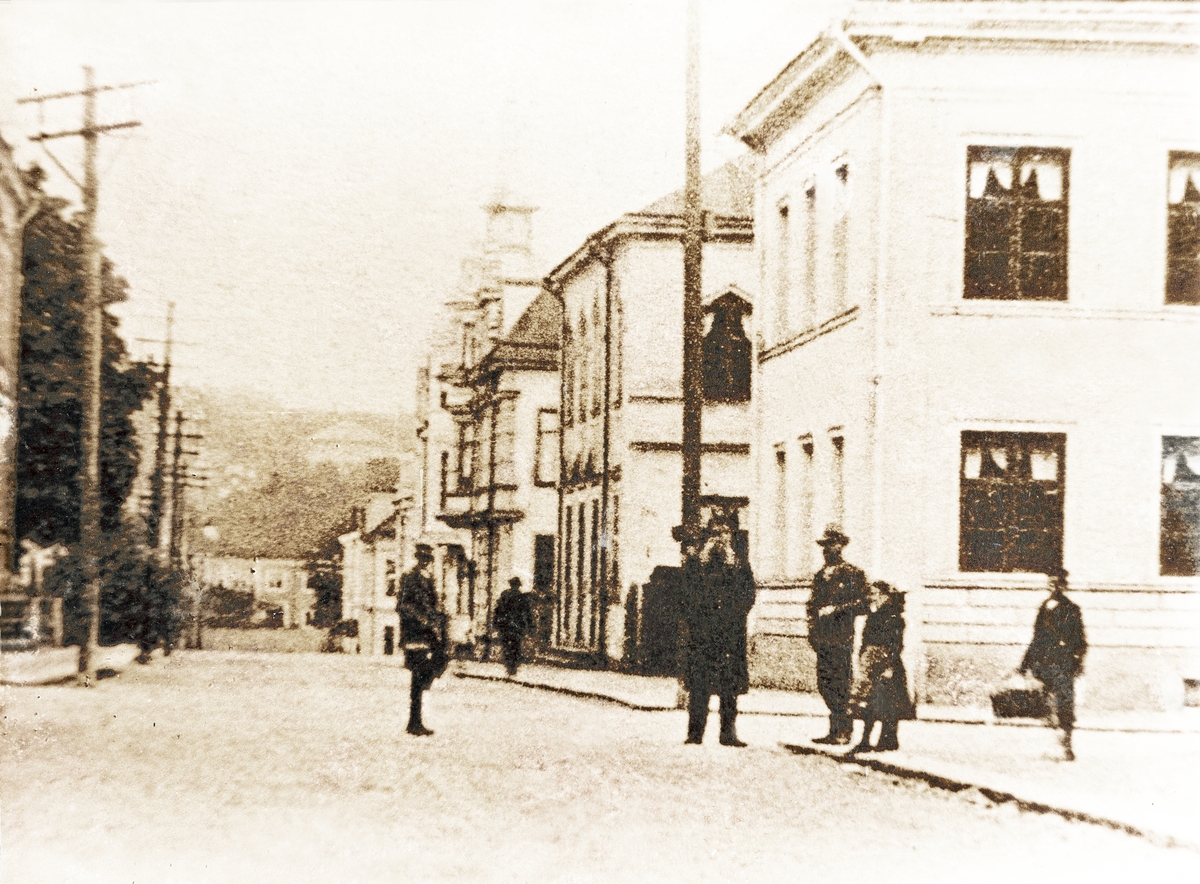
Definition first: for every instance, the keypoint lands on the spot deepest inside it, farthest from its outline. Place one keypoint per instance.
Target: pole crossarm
(90, 130)
(90, 91)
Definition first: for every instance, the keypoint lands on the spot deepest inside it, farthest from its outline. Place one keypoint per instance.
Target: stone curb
(937, 781)
(997, 796)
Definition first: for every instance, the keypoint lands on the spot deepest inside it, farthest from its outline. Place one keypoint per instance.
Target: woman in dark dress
(880, 692)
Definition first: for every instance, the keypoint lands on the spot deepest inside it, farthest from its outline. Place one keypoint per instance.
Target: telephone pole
(154, 514)
(693, 307)
(90, 429)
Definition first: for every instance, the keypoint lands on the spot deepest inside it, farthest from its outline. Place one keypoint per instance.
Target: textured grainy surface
(232, 767)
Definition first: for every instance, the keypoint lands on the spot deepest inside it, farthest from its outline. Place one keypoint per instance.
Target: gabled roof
(728, 201)
(533, 342)
(727, 191)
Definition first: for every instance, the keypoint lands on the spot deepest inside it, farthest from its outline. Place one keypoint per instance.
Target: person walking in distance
(839, 594)
(422, 634)
(513, 619)
(881, 690)
(1055, 655)
(719, 595)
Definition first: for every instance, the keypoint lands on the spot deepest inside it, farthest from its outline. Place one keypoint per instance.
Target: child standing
(880, 692)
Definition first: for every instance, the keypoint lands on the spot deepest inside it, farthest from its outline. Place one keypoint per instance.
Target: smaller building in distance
(279, 587)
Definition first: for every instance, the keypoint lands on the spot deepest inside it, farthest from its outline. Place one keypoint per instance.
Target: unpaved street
(229, 767)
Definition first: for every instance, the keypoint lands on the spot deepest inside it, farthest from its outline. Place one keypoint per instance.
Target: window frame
(1188, 498)
(1000, 511)
(539, 448)
(1019, 261)
(1178, 289)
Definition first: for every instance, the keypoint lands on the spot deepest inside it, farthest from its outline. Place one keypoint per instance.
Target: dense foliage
(51, 378)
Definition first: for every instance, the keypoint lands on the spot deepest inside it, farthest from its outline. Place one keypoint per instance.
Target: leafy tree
(51, 383)
(141, 600)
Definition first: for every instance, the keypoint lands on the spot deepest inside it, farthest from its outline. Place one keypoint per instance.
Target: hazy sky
(308, 177)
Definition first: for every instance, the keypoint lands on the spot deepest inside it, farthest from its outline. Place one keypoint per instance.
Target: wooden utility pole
(154, 514)
(90, 429)
(693, 306)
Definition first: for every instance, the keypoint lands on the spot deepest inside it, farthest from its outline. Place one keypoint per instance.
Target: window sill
(1064, 310)
(1031, 581)
(809, 334)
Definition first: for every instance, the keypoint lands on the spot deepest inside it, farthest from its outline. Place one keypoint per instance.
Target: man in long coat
(422, 634)
(719, 593)
(1055, 655)
(839, 594)
(513, 618)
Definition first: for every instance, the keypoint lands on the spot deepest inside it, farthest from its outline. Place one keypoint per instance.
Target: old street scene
(527, 441)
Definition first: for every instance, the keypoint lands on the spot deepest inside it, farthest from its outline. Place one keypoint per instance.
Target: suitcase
(1020, 703)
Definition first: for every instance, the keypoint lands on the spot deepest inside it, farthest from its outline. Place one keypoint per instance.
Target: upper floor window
(1011, 501)
(1016, 237)
(568, 381)
(841, 236)
(505, 447)
(727, 352)
(546, 457)
(783, 281)
(466, 455)
(1183, 229)
(1179, 520)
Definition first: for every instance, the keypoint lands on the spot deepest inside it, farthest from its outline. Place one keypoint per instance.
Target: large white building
(977, 224)
(622, 407)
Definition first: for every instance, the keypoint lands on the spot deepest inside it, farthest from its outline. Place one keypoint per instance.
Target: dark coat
(1059, 644)
(881, 689)
(422, 623)
(845, 587)
(717, 600)
(514, 613)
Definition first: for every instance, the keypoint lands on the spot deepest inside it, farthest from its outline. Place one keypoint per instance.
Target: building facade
(374, 557)
(621, 465)
(279, 586)
(501, 392)
(977, 225)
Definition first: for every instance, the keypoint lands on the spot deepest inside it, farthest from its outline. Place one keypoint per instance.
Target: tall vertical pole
(154, 518)
(693, 313)
(176, 521)
(89, 522)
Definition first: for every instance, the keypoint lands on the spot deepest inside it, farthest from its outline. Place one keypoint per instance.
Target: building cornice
(905, 26)
(642, 226)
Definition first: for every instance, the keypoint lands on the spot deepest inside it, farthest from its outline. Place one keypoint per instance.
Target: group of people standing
(718, 594)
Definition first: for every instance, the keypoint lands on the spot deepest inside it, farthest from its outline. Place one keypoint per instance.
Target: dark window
(1011, 501)
(1183, 229)
(727, 352)
(568, 582)
(1016, 237)
(543, 562)
(594, 581)
(1179, 527)
(466, 456)
(445, 477)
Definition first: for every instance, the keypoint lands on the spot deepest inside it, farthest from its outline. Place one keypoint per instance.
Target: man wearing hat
(422, 634)
(720, 594)
(513, 618)
(839, 594)
(1055, 655)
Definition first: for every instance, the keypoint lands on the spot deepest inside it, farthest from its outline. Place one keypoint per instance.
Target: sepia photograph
(580, 441)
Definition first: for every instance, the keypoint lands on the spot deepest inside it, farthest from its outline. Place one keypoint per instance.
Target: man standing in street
(719, 593)
(839, 594)
(513, 618)
(422, 634)
(1055, 655)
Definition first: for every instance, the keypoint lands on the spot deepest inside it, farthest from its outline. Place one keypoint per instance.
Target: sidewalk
(1140, 773)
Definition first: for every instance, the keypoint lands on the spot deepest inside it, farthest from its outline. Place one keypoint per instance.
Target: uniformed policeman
(422, 634)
